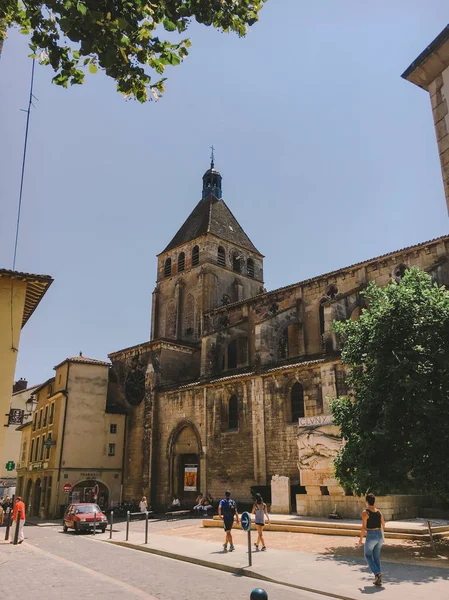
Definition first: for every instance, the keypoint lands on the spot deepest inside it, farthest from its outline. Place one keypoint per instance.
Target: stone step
(339, 528)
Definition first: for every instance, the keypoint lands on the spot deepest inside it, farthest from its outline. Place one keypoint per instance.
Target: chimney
(20, 385)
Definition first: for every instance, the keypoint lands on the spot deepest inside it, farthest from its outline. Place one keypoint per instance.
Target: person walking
(260, 512)
(227, 510)
(143, 505)
(373, 525)
(18, 505)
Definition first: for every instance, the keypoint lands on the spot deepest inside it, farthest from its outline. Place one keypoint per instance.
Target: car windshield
(87, 508)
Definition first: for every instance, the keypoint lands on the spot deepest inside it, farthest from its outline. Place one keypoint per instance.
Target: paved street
(70, 566)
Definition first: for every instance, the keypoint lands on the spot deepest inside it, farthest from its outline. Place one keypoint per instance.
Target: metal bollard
(95, 522)
(127, 525)
(112, 521)
(8, 523)
(259, 594)
(146, 527)
(16, 532)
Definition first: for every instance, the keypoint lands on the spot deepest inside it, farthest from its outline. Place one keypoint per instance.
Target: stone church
(214, 399)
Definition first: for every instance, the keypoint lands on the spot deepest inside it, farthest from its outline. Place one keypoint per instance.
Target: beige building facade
(76, 437)
(234, 386)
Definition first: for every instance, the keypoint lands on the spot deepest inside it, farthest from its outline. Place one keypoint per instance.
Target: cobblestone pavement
(67, 566)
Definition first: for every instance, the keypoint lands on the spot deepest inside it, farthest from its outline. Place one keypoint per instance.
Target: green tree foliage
(123, 37)
(396, 422)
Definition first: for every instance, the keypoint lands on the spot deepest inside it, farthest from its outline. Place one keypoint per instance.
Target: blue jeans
(373, 546)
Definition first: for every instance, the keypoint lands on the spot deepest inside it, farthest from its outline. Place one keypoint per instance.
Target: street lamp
(31, 404)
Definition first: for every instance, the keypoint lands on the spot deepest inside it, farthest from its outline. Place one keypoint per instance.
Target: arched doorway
(28, 489)
(84, 491)
(184, 456)
(36, 498)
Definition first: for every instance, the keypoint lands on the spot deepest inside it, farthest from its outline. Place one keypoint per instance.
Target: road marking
(125, 586)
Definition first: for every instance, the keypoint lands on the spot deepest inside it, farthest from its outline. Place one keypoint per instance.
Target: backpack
(228, 507)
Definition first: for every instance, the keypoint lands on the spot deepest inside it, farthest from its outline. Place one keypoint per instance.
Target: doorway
(36, 498)
(185, 464)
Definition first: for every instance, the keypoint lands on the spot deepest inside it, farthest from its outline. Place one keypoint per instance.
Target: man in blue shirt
(227, 510)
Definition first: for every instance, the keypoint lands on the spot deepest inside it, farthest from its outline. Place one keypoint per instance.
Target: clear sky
(328, 157)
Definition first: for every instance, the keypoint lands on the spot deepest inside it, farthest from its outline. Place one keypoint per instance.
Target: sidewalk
(346, 578)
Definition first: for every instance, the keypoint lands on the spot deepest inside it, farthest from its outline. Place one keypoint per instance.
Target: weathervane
(212, 157)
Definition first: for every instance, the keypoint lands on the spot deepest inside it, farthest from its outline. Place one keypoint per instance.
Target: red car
(83, 517)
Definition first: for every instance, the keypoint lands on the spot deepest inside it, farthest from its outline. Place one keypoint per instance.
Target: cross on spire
(212, 157)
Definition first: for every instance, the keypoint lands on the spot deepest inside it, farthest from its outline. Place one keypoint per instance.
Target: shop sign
(37, 466)
(93, 475)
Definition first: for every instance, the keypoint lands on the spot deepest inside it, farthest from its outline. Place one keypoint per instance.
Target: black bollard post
(95, 522)
(259, 594)
(146, 527)
(127, 525)
(112, 520)
(250, 556)
(8, 523)
(16, 532)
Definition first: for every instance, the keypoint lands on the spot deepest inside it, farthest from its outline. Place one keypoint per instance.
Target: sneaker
(378, 580)
(231, 548)
(264, 548)
(256, 547)
(225, 547)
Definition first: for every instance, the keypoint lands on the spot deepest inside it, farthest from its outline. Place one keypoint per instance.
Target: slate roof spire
(211, 215)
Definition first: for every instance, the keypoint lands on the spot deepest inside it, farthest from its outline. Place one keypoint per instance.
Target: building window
(195, 256)
(48, 448)
(221, 256)
(399, 272)
(42, 448)
(181, 262)
(40, 419)
(36, 450)
(34, 421)
(321, 311)
(111, 450)
(31, 450)
(24, 451)
(50, 390)
(167, 268)
(250, 267)
(232, 354)
(233, 412)
(113, 428)
(45, 416)
(52, 413)
(297, 402)
(236, 263)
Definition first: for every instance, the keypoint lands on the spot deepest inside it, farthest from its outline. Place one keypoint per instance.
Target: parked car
(83, 517)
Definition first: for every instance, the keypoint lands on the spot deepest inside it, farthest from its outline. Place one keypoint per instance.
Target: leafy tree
(396, 422)
(123, 37)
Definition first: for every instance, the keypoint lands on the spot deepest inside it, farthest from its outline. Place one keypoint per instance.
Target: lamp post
(31, 404)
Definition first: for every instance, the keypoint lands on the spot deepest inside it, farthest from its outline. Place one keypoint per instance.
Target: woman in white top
(143, 505)
(259, 512)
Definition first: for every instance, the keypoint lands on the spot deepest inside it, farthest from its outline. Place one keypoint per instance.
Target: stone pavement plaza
(85, 566)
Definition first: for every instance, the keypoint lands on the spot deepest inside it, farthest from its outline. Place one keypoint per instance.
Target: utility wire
(28, 111)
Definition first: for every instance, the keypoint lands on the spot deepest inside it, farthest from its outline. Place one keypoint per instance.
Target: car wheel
(65, 528)
(77, 529)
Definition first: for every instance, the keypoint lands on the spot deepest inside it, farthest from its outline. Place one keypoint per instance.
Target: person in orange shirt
(18, 505)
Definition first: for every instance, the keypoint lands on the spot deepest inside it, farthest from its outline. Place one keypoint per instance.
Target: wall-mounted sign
(315, 421)
(93, 475)
(190, 478)
(15, 416)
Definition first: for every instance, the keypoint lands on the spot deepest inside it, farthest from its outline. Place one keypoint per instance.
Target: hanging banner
(190, 478)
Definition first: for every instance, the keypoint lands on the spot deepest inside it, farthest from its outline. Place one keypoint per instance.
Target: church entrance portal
(185, 465)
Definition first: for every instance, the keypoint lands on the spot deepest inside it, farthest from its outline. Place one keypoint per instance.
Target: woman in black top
(373, 524)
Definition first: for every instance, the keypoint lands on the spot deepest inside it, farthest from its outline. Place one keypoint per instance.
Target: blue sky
(328, 157)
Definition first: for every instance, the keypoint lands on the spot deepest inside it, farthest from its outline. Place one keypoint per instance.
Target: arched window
(167, 268)
(221, 256)
(322, 301)
(297, 402)
(233, 412)
(250, 267)
(232, 354)
(195, 256)
(236, 263)
(181, 262)
(283, 344)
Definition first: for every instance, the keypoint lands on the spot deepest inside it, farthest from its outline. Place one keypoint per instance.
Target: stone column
(258, 431)
(280, 495)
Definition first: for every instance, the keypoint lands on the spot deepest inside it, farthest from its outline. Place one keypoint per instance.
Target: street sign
(67, 488)
(245, 520)
(10, 465)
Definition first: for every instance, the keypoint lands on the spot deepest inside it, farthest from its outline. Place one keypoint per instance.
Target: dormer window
(167, 268)
(181, 262)
(195, 256)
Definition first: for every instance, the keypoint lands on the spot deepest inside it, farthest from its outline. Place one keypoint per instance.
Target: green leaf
(82, 8)
(93, 68)
(169, 25)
